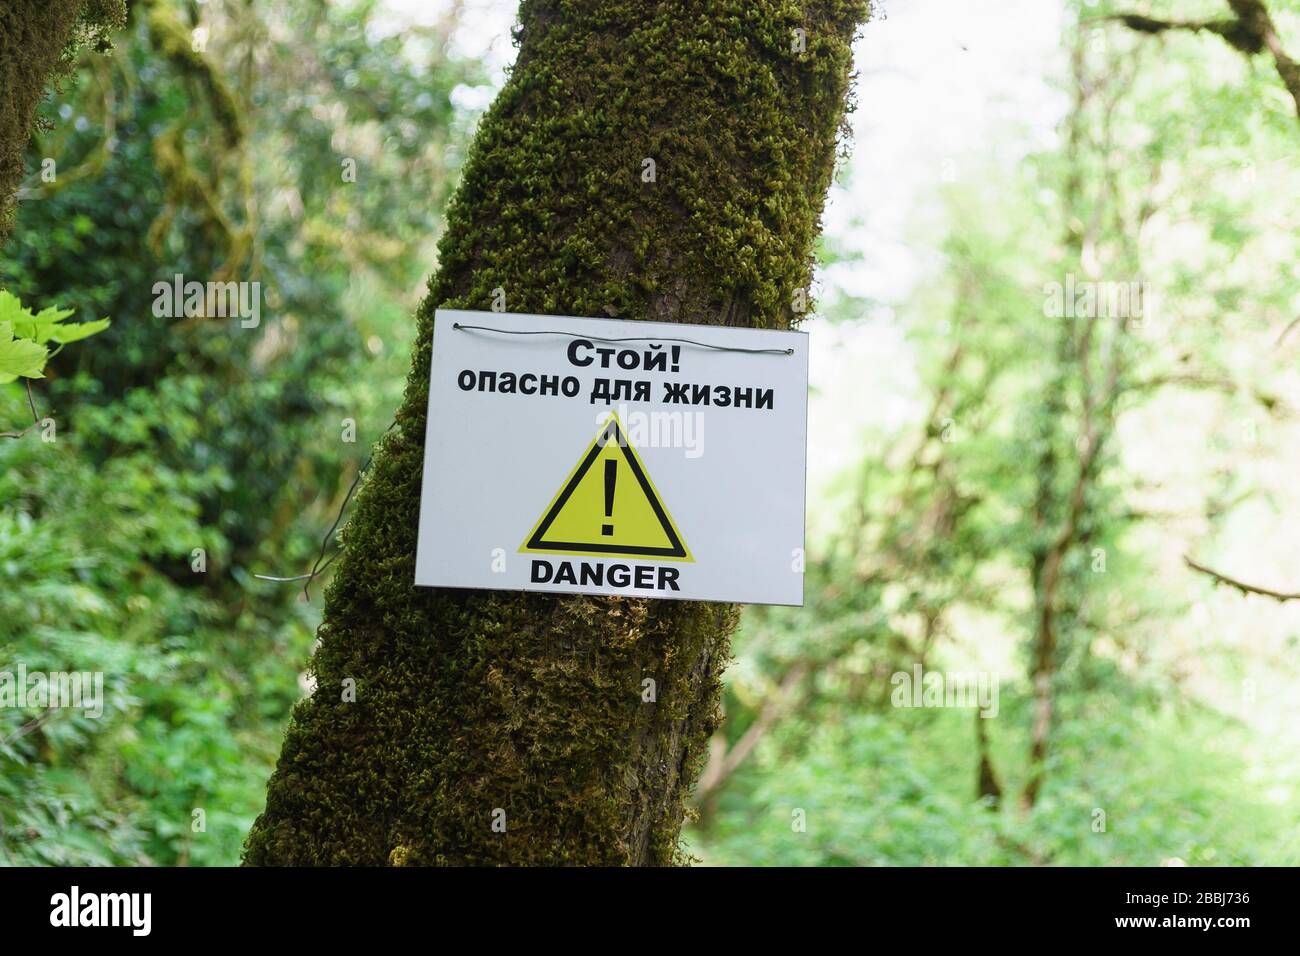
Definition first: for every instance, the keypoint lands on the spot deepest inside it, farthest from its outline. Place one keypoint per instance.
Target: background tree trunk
(480, 707)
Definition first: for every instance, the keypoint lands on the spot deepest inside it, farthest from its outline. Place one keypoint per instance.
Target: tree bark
(986, 780)
(36, 39)
(494, 727)
(1251, 31)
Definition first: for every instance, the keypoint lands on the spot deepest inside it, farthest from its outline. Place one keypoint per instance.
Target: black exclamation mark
(611, 476)
(677, 358)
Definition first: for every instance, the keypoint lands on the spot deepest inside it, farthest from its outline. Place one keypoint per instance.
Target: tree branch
(1145, 24)
(1241, 586)
(723, 762)
(36, 418)
(1250, 32)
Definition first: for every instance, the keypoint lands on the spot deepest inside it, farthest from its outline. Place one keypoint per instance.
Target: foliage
(1165, 172)
(24, 334)
(191, 452)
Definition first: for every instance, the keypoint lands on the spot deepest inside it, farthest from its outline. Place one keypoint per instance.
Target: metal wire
(634, 338)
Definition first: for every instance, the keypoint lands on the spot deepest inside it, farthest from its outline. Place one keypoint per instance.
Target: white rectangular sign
(604, 456)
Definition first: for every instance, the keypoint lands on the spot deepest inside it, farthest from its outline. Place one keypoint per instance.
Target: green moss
(175, 41)
(471, 703)
(39, 40)
(197, 186)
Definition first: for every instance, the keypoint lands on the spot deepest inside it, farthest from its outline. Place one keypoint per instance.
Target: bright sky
(936, 78)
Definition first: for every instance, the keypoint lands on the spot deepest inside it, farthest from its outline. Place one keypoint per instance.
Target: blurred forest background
(1016, 493)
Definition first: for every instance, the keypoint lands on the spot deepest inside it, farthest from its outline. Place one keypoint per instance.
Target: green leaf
(23, 336)
(43, 326)
(20, 356)
(63, 334)
(11, 310)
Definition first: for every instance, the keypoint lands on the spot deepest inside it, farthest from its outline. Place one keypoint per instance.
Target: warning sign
(601, 456)
(593, 513)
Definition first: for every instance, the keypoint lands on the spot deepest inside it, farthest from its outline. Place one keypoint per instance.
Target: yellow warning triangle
(608, 507)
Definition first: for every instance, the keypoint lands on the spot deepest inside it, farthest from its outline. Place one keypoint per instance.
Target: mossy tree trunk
(37, 39)
(497, 727)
